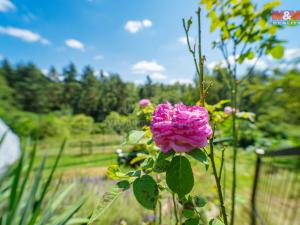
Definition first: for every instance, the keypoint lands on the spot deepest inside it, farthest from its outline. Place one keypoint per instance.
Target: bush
(81, 124)
(119, 123)
(52, 126)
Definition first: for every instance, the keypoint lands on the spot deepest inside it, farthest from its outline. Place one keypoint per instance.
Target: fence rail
(276, 188)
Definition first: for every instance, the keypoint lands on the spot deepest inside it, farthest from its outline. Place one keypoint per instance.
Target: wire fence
(276, 188)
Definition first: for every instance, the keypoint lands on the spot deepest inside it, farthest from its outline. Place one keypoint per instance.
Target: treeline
(89, 93)
(108, 101)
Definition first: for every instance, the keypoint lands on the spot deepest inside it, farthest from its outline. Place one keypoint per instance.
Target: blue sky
(131, 38)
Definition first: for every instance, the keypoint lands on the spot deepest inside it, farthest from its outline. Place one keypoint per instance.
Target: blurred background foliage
(72, 103)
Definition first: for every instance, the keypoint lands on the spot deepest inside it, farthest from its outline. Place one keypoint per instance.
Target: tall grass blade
(63, 219)
(16, 204)
(46, 186)
(31, 198)
(54, 204)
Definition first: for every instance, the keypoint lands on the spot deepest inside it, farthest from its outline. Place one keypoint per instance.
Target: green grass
(88, 172)
(102, 152)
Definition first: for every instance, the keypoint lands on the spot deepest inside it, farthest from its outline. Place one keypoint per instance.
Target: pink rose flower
(144, 103)
(180, 127)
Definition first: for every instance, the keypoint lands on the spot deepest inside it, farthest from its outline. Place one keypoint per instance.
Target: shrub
(119, 123)
(81, 124)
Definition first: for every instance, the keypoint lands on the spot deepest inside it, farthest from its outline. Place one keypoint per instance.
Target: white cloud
(212, 65)
(260, 64)
(147, 23)
(98, 57)
(138, 82)
(6, 6)
(151, 68)
(73, 43)
(181, 81)
(291, 53)
(134, 26)
(144, 66)
(104, 73)
(182, 40)
(23, 34)
(45, 71)
(158, 76)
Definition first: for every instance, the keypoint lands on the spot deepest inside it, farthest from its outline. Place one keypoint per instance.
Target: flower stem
(160, 212)
(235, 141)
(201, 60)
(175, 208)
(218, 182)
(199, 65)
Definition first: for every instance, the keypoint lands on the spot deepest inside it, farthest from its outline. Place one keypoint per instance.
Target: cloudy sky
(132, 38)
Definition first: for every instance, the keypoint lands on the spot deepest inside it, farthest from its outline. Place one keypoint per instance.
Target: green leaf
(70, 212)
(250, 55)
(136, 173)
(188, 213)
(54, 203)
(189, 23)
(200, 201)
(271, 5)
(135, 136)
(147, 163)
(221, 103)
(145, 191)
(124, 185)
(179, 176)
(161, 164)
(192, 221)
(81, 221)
(38, 203)
(213, 27)
(215, 222)
(114, 172)
(199, 155)
(138, 158)
(107, 200)
(277, 52)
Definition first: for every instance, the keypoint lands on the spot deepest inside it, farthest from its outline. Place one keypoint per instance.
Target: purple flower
(180, 127)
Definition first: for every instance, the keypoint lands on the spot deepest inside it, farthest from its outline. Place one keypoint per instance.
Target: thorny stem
(200, 63)
(201, 60)
(218, 180)
(222, 164)
(186, 29)
(175, 208)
